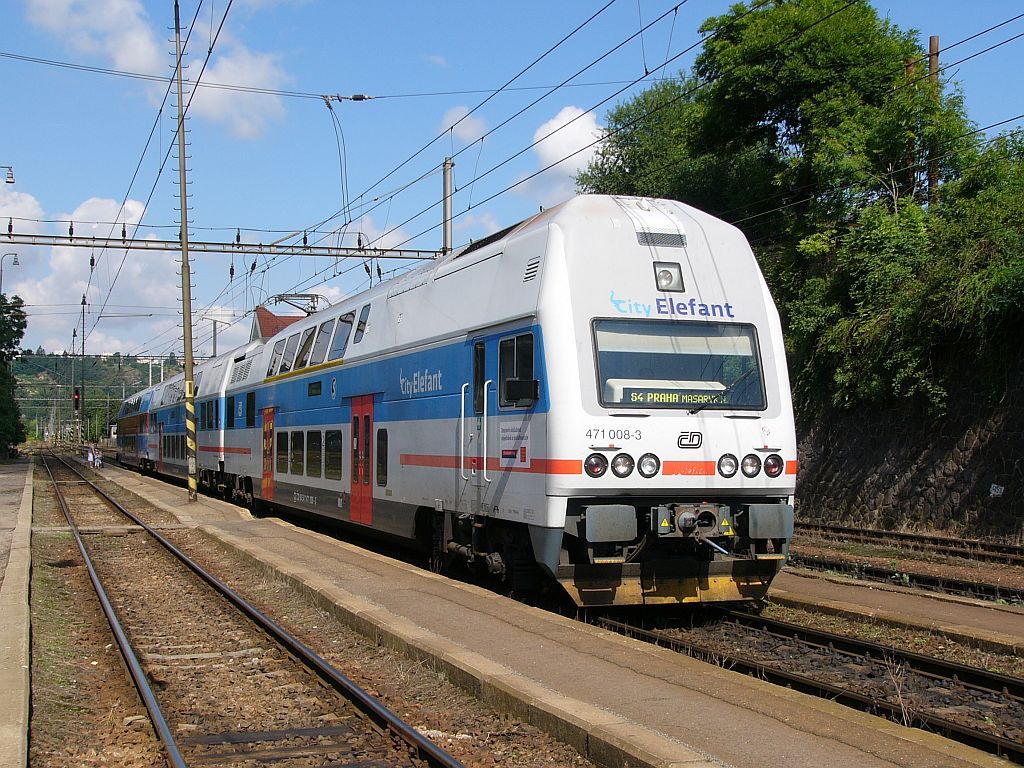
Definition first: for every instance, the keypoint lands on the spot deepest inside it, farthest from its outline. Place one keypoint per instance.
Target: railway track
(971, 549)
(222, 683)
(948, 585)
(970, 705)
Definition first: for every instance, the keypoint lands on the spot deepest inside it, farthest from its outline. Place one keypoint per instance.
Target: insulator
(124, 232)
(10, 226)
(359, 239)
(231, 272)
(71, 229)
(92, 262)
(305, 240)
(367, 268)
(253, 267)
(238, 236)
(379, 275)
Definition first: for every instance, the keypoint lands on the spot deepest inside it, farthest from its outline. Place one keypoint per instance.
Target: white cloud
(482, 224)
(466, 127)
(121, 32)
(148, 282)
(247, 115)
(437, 60)
(567, 141)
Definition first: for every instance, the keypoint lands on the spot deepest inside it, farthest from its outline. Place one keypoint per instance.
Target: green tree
(12, 329)
(811, 125)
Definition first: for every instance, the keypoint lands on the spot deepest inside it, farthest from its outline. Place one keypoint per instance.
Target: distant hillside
(46, 382)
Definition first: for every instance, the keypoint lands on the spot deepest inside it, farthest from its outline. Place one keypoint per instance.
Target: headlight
(622, 465)
(648, 465)
(751, 465)
(595, 465)
(668, 276)
(773, 465)
(727, 465)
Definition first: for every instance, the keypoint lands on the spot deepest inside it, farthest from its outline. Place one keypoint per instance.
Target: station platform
(977, 623)
(15, 569)
(618, 701)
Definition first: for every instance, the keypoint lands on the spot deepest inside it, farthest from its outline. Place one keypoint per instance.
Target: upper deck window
(323, 339)
(275, 357)
(655, 364)
(341, 336)
(361, 325)
(302, 356)
(289, 353)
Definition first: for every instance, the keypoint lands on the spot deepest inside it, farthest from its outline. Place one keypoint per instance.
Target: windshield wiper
(725, 392)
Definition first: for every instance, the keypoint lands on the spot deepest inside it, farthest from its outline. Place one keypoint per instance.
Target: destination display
(661, 396)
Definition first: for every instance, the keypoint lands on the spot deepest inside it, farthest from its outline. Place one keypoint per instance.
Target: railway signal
(76, 397)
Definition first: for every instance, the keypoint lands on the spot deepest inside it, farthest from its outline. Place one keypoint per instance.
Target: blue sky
(269, 164)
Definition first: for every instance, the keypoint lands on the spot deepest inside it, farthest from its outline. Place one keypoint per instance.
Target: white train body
(537, 403)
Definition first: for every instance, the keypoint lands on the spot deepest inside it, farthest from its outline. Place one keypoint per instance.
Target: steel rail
(910, 579)
(964, 734)
(429, 752)
(156, 714)
(972, 549)
(974, 677)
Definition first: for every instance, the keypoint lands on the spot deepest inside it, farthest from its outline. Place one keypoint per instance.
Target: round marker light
(665, 279)
(648, 465)
(773, 465)
(622, 465)
(727, 465)
(595, 465)
(751, 465)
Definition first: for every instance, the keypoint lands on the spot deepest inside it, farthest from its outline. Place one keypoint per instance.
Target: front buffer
(673, 552)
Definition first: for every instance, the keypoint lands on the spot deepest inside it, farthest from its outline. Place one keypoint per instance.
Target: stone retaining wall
(962, 474)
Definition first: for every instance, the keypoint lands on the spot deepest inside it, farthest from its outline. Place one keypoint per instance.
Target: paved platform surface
(979, 623)
(619, 701)
(15, 562)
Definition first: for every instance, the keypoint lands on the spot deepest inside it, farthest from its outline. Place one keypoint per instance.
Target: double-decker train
(596, 396)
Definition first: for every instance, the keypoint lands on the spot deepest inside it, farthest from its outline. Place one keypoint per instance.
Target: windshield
(655, 364)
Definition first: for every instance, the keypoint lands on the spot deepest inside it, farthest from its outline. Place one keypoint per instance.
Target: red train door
(362, 431)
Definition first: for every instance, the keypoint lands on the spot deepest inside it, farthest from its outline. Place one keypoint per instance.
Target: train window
(302, 357)
(515, 362)
(382, 457)
(334, 449)
(314, 453)
(366, 449)
(355, 450)
(341, 335)
(250, 409)
(202, 417)
(216, 414)
(479, 358)
(229, 414)
(673, 364)
(361, 325)
(275, 357)
(289, 353)
(298, 453)
(282, 453)
(323, 340)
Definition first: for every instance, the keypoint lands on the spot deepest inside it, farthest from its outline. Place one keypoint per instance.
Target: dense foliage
(12, 329)
(46, 382)
(812, 126)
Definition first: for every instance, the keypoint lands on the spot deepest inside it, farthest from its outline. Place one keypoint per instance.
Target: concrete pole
(933, 76)
(186, 280)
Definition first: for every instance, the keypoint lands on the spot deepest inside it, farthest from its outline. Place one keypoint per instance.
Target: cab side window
(515, 364)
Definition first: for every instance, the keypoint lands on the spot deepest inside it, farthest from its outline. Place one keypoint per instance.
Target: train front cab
(683, 426)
